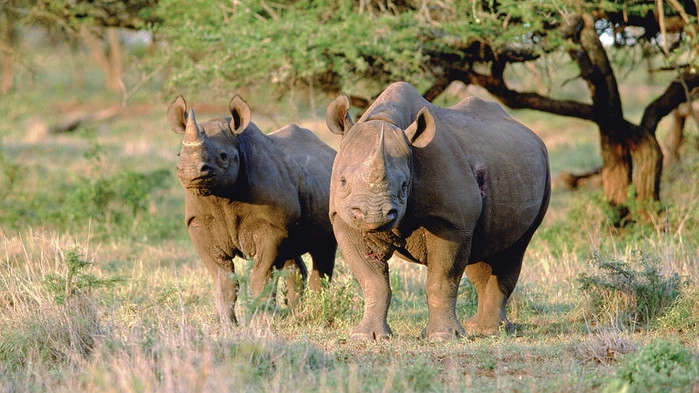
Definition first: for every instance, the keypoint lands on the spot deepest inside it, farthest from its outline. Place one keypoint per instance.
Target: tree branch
(525, 100)
(673, 96)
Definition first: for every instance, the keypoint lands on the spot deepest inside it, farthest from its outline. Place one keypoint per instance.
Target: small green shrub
(629, 294)
(57, 323)
(661, 366)
(329, 307)
(683, 316)
(75, 279)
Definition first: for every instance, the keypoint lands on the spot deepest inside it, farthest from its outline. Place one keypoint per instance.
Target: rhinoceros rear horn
(337, 115)
(240, 115)
(176, 115)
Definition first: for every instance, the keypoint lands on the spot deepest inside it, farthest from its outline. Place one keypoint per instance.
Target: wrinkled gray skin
(456, 189)
(254, 195)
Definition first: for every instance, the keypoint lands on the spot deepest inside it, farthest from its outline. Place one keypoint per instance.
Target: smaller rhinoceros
(253, 195)
(456, 189)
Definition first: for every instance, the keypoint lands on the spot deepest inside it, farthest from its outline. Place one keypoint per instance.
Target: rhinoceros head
(372, 173)
(209, 159)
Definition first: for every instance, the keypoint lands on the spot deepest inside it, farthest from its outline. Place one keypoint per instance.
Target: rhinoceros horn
(374, 166)
(192, 135)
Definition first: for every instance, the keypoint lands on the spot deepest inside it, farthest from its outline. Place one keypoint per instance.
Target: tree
(359, 46)
(93, 21)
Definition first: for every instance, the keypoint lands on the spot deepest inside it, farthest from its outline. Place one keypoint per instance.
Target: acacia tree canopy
(345, 44)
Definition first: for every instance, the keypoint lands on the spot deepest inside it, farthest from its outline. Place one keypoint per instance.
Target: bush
(661, 366)
(683, 316)
(629, 294)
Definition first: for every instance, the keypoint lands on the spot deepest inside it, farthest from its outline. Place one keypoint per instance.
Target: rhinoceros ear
(240, 115)
(176, 115)
(337, 115)
(421, 132)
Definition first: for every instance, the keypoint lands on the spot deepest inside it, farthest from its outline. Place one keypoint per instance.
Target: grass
(101, 290)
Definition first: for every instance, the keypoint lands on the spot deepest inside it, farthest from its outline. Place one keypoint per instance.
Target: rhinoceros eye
(223, 156)
(403, 190)
(343, 184)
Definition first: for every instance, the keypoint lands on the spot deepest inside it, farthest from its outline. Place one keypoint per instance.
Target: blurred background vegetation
(100, 288)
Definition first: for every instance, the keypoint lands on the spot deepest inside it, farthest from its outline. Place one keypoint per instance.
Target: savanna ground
(101, 290)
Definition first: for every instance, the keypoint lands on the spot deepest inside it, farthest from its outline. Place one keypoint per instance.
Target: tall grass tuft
(52, 321)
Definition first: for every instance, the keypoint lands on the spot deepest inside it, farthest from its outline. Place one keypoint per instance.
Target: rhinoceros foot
(481, 326)
(365, 333)
(443, 333)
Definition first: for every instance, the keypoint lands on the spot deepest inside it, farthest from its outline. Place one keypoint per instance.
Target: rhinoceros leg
(267, 241)
(372, 275)
(227, 294)
(323, 263)
(494, 281)
(220, 267)
(297, 274)
(445, 267)
(226, 287)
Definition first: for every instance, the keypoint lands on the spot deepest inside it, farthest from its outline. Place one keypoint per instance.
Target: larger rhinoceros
(254, 195)
(456, 189)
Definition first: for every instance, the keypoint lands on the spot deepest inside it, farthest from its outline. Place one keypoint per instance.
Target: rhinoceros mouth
(200, 190)
(379, 225)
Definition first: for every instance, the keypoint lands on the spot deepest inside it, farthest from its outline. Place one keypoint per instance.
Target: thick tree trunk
(647, 168)
(616, 169)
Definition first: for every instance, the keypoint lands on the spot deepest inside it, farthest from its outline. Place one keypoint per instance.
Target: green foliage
(338, 44)
(75, 279)
(55, 324)
(116, 203)
(629, 294)
(330, 307)
(662, 366)
(683, 316)
(9, 173)
(263, 359)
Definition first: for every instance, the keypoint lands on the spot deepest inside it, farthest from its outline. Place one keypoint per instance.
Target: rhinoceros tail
(480, 171)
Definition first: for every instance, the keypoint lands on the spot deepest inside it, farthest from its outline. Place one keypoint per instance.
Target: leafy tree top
(348, 44)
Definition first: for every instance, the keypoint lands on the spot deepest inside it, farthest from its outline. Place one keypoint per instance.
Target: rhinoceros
(253, 195)
(455, 189)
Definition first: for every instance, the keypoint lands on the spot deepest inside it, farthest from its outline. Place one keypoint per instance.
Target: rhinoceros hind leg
(296, 274)
(494, 281)
(323, 264)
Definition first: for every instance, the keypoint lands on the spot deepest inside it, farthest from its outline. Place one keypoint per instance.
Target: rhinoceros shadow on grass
(459, 189)
(253, 195)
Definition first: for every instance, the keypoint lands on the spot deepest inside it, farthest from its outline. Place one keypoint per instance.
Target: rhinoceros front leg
(220, 267)
(445, 266)
(372, 275)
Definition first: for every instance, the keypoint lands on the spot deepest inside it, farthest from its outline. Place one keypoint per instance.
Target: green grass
(101, 289)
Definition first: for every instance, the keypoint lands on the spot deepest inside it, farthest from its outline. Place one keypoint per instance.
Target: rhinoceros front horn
(374, 166)
(192, 135)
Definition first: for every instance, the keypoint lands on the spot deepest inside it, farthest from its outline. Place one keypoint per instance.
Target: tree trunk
(616, 168)
(7, 55)
(109, 60)
(647, 168)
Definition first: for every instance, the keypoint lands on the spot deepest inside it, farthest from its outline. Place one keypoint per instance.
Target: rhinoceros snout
(195, 173)
(374, 219)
